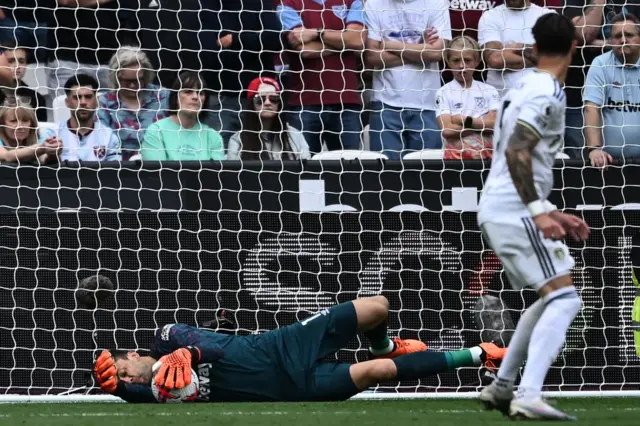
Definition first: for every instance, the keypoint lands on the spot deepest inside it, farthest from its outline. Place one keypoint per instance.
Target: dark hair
(188, 80)
(554, 34)
(118, 354)
(622, 17)
(251, 145)
(81, 80)
(11, 44)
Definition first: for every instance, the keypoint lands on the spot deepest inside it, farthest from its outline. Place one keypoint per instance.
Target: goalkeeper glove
(106, 372)
(175, 368)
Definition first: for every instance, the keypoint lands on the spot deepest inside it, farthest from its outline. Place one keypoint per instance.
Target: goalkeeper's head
(133, 367)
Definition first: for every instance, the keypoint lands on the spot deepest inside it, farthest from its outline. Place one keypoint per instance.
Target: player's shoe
(402, 347)
(494, 397)
(492, 356)
(536, 409)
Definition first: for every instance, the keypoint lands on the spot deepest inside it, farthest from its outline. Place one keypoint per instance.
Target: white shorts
(529, 259)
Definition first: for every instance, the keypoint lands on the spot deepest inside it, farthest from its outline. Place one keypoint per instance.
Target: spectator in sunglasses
(265, 135)
(183, 136)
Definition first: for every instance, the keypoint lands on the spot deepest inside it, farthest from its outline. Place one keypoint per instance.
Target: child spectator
(19, 135)
(135, 103)
(466, 108)
(265, 134)
(84, 137)
(183, 136)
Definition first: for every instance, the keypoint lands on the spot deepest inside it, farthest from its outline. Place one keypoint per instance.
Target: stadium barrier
(182, 242)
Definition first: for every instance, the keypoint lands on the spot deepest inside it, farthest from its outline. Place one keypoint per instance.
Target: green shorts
(303, 347)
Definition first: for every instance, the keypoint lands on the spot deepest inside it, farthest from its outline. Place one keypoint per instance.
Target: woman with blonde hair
(466, 108)
(135, 103)
(19, 136)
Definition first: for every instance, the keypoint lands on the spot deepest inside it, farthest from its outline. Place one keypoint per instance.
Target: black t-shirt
(579, 68)
(80, 34)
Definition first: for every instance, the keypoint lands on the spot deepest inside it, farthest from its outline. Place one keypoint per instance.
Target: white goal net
(270, 237)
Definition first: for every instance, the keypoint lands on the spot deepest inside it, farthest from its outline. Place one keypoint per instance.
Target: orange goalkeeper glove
(106, 372)
(175, 368)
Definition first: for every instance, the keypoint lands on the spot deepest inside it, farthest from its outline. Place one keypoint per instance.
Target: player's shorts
(307, 343)
(529, 259)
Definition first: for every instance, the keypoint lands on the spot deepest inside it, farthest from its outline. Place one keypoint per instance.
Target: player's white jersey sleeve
(537, 102)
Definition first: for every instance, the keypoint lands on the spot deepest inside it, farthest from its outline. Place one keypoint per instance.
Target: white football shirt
(476, 101)
(538, 101)
(507, 25)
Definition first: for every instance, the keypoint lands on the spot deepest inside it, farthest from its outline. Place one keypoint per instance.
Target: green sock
(463, 358)
(378, 338)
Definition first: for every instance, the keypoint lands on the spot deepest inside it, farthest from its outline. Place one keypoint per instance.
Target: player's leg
(372, 314)
(544, 265)
(419, 365)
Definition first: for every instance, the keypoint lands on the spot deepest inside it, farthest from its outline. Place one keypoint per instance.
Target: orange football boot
(492, 356)
(403, 347)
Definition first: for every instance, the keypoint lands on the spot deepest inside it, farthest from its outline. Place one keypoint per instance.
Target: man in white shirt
(504, 33)
(406, 42)
(85, 138)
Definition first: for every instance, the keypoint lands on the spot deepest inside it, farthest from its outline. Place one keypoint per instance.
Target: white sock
(384, 351)
(476, 355)
(561, 307)
(518, 346)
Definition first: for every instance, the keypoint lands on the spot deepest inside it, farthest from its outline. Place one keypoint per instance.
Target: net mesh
(270, 242)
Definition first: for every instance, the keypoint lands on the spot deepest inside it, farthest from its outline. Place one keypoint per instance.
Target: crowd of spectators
(287, 79)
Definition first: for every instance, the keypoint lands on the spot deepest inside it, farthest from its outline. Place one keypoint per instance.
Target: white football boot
(536, 409)
(496, 398)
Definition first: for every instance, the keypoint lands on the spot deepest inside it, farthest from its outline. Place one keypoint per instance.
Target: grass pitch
(591, 411)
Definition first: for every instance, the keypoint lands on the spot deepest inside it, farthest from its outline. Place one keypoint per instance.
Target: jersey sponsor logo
(203, 379)
(617, 84)
(471, 4)
(480, 101)
(165, 332)
(340, 11)
(625, 106)
(458, 105)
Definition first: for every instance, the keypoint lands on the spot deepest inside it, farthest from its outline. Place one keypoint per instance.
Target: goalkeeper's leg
(422, 364)
(372, 313)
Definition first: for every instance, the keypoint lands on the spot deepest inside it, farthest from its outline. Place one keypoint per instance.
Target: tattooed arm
(519, 155)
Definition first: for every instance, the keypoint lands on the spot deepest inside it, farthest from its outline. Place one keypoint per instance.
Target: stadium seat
(60, 110)
(425, 154)
(562, 156)
(349, 154)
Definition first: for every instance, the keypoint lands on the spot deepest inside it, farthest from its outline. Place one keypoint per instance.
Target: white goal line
(16, 399)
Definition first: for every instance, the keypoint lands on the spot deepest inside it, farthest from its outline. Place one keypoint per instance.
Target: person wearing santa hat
(265, 134)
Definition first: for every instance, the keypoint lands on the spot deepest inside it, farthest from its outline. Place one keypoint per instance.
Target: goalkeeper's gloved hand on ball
(175, 368)
(106, 372)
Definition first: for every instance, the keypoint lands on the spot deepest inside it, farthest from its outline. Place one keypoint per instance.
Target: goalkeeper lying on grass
(286, 364)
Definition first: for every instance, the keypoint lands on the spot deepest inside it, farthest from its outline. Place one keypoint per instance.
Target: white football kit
(538, 102)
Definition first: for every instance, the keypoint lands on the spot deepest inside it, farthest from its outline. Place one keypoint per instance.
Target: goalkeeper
(286, 364)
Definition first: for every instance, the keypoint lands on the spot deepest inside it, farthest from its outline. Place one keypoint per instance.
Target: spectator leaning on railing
(19, 136)
(406, 43)
(134, 103)
(612, 96)
(83, 136)
(17, 58)
(466, 108)
(327, 38)
(183, 136)
(265, 134)
(587, 17)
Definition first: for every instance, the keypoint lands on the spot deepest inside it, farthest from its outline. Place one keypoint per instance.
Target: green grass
(619, 412)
